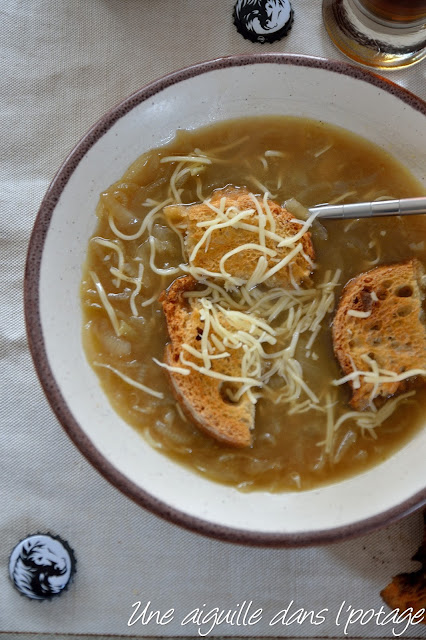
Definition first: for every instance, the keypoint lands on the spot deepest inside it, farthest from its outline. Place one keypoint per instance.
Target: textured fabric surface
(65, 63)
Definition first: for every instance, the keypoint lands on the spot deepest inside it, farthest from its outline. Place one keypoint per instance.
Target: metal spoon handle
(379, 208)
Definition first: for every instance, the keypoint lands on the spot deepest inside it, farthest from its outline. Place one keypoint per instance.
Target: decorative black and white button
(42, 566)
(263, 20)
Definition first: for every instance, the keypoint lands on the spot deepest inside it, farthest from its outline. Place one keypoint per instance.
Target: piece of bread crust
(199, 395)
(242, 264)
(394, 334)
(409, 589)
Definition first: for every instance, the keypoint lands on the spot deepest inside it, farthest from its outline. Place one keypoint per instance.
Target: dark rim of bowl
(35, 333)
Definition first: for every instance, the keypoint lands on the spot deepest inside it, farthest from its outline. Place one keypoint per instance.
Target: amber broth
(318, 163)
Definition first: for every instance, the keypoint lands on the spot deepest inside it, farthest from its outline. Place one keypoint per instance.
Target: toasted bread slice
(390, 328)
(202, 398)
(408, 590)
(222, 240)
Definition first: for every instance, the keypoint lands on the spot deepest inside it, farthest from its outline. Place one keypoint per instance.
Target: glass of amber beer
(386, 34)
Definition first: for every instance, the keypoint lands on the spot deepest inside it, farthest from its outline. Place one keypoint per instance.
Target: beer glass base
(371, 41)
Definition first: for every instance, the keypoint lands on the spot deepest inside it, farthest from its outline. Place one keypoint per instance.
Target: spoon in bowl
(376, 209)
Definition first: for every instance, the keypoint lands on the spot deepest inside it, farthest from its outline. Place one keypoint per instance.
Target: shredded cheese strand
(106, 303)
(145, 223)
(130, 381)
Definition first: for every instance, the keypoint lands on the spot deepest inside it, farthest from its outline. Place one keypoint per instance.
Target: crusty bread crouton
(380, 315)
(408, 590)
(225, 239)
(201, 397)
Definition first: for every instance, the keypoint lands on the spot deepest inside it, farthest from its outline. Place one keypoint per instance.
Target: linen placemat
(64, 64)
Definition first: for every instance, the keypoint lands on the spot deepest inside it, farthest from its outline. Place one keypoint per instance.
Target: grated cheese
(136, 291)
(172, 369)
(244, 247)
(373, 419)
(169, 270)
(133, 383)
(264, 162)
(265, 229)
(319, 153)
(146, 223)
(376, 375)
(106, 303)
(281, 264)
(330, 424)
(115, 247)
(271, 333)
(359, 314)
(214, 226)
(270, 153)
(196, 158)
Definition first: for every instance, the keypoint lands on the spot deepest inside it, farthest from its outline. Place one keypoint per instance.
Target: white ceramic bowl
(230, 87)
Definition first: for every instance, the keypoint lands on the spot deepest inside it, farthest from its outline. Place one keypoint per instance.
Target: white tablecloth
(65, 63)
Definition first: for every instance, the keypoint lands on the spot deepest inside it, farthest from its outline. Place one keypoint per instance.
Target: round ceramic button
(41, 566)
(263, 20)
